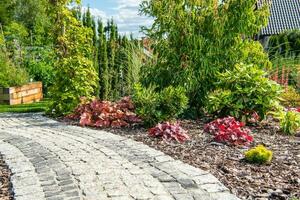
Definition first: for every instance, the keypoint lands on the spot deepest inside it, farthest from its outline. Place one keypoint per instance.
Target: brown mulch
(278, 180)
(5, 184)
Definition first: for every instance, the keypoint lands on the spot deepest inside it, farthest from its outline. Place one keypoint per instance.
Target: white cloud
(126, 15)
(99, 14)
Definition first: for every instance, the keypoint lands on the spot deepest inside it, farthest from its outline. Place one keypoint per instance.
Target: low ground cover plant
(169, 131)
(243, 91)
(258, 155)
(155, 107)
(230, 131)
(290, 97)
(289, 121)
(106, 114)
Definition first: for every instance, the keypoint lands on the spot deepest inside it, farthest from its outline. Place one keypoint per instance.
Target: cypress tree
(103, 63)
(94, 31)
(89, 19)
(112, 59)
(84, 19)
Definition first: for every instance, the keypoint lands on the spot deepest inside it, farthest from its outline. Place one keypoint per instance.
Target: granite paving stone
(54, 161)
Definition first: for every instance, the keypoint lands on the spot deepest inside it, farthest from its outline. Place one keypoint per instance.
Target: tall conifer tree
(103, 63)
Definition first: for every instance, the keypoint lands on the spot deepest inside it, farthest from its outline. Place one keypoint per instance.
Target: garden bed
(5, 184)
(278, 180)
(31, 92)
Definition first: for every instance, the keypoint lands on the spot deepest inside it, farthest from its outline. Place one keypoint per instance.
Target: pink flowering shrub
(228, 130)
(169, 131)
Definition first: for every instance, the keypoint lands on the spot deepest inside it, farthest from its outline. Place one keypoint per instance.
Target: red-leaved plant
(228, 130)
(293, 109)
(169, 131)
(283, 78)
(106, 114)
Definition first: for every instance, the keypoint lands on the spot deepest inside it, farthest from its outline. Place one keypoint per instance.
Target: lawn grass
(24, 108)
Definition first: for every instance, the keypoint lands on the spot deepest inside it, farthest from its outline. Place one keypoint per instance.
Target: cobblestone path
(53, 161)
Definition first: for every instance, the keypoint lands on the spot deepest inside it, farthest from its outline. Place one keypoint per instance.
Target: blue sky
(124, 12)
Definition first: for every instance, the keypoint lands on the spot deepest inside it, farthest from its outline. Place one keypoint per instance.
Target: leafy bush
(259, 155)
(228, 130)
(155, 107)
(40, 66)
(106, 114)
(242, 92)
(286, 43)
(75, 74)
(173, 102)
(296, 76)
(10, 75)
(194, 40)
(290, 97)
(289, 121)
(169, 131)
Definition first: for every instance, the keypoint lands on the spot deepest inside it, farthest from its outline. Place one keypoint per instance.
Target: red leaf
(169, 131)
(85, 119)
(105, 113)
(228, 130)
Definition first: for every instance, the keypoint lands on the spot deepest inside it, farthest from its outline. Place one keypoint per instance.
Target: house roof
(284, 15)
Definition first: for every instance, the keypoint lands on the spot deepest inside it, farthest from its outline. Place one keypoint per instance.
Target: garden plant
(197, 86)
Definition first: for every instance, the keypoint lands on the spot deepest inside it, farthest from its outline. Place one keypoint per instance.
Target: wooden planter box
(31, 92)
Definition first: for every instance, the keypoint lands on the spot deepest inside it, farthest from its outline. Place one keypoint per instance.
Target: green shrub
(195, 39)
(296, 76)
(40, 67)
(286, 43)
(155, 107)
(259, 155)
(243, 91)
(173, 102)
(10, 75)
(290, 97)
(146, 103)
(289, 121)
(75, 74)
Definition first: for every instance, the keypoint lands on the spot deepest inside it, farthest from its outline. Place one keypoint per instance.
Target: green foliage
(75, 75)
(10, 75)
(155, 107)
(173, 102)
(194, 40)
(290, 66)
(146, 101)
(290, 98)
(25, 24)
(289, 121)
(119, 62)
(285, 44)
(15, 36)
(40, 66)
(131, 59)
(259, 155)
(103, 63)
(242, 91)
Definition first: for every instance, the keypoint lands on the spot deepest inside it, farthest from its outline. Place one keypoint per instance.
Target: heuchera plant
(169, 131)
(228, 130)
(106, 114)
(294, 109)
